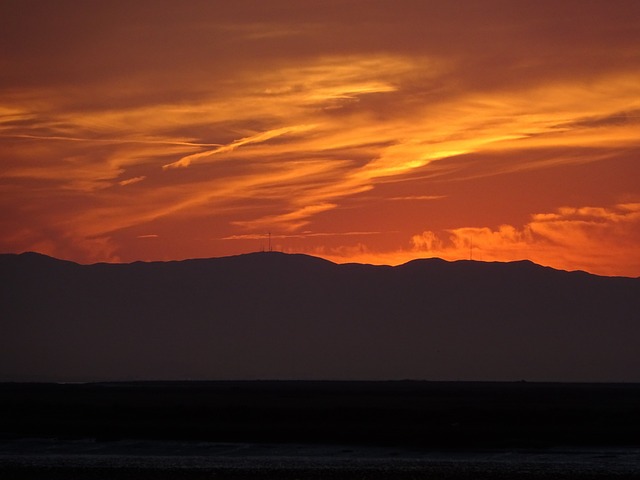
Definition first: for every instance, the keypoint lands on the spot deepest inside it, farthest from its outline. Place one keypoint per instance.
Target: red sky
(369, 131)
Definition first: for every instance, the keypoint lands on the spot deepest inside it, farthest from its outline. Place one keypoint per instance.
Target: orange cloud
(288, 221)
(596, 239)
(257, 138)
(129, 181)
(285, 121)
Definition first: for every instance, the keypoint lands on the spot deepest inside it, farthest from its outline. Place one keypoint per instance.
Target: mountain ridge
(416, 261)
(270, 315)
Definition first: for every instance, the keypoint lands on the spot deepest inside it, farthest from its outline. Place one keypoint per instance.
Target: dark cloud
(72, 42)
(612, 120)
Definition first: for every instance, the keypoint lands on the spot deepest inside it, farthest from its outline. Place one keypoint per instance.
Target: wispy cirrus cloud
(305, 234)
(417, 198)
(305, 116)
(289, 221)
(257, 138)
(130, 181)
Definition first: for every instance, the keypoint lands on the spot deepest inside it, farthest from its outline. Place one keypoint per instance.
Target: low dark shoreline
(167, 460)
(319, 430)
(429, 414)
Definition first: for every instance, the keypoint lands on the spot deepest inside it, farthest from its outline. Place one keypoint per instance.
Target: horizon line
(300, 254)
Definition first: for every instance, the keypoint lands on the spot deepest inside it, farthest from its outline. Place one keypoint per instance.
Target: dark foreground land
(370, 430)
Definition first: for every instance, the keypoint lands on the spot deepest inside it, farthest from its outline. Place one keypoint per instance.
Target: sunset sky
(366, 131)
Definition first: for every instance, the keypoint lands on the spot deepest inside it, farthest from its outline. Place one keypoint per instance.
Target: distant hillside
(277, 316)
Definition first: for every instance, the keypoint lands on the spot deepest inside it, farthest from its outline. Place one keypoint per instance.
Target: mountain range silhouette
(272, 315)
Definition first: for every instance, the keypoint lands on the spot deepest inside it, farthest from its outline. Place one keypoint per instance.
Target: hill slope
(272, 315)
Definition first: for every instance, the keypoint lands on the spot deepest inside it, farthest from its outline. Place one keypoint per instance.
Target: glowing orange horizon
(376, 141)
